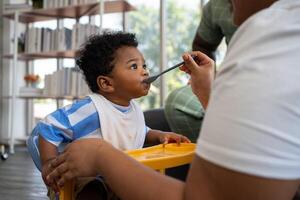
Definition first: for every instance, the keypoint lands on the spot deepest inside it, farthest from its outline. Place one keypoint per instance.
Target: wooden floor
(20, 179)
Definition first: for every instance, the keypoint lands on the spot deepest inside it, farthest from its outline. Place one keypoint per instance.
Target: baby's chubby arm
(48, 152)
(162, 137)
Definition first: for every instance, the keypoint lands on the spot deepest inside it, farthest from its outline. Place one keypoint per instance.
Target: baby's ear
(105, 84)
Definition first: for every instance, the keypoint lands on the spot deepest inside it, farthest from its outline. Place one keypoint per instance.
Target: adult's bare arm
(131, 180)
(128, 178)
(207, 48)
(208, 181)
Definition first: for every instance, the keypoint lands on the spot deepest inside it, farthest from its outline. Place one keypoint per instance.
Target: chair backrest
(156, 119)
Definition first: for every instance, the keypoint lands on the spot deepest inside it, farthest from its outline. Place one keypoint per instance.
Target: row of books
(65, 82)
(16, 6)
(64, 3)
(46, 39)
(30, 91)
(81, 33)
(46, 4)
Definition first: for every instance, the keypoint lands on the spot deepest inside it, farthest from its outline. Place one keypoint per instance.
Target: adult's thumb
(189, 62)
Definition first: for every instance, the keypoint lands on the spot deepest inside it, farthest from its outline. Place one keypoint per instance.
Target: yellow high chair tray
(160, 157)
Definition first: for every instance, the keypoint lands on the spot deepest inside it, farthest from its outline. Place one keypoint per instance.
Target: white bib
(124, 131)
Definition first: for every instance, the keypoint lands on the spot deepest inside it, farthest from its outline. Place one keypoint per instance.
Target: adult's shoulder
(272, 27)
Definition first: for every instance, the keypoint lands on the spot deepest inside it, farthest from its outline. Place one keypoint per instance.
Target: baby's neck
(117, 100)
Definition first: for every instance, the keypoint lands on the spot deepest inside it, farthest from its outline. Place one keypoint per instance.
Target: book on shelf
(46, 4)
(16, 6)
(81, 32)
(47, 40)
(30, 91)
(63, 3)
(65, 82)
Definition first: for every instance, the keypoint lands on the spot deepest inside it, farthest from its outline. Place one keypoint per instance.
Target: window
(182, 21)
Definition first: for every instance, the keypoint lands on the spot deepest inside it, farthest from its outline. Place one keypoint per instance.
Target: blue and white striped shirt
(77, 120)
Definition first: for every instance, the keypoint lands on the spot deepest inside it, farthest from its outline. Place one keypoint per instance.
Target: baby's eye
(133, 66)
(145, 66)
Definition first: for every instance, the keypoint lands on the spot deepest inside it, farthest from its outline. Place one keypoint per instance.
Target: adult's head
(243, 9)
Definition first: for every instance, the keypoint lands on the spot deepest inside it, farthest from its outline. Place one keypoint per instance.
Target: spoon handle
(169, 69)
(175, 66)
(153, 78)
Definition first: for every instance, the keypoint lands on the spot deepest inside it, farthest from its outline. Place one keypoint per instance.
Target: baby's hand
(170, 137)
(46, 170)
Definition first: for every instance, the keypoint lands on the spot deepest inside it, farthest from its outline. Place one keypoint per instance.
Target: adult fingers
(65, 178)
(55, 175)
(201, 58)
(185, 69)
(59, 160)
(189, 63)
(55, 187)
(195, 59)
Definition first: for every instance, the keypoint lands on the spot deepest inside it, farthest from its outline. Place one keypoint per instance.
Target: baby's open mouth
(144, 82)
(146, 85)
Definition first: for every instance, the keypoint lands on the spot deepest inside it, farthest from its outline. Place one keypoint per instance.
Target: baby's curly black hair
(97, 55)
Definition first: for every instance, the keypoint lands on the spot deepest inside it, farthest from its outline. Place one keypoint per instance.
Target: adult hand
(80, 159)
(201, 70)
(46, 170)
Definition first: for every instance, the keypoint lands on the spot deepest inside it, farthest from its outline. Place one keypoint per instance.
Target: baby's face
(129, 72)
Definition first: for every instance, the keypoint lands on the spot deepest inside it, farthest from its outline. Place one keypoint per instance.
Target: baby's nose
(146, 72)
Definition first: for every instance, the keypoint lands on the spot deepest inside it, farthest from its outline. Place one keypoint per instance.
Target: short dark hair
(98, 53)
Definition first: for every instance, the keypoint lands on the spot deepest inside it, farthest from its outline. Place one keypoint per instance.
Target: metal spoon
(153, 78)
